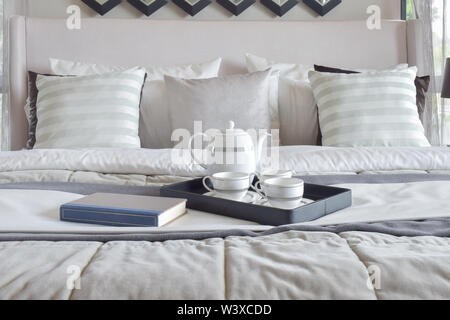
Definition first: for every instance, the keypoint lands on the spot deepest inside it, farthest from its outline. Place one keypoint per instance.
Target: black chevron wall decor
(236, 7)
(280, 7)
(148, 7)
(102, 6)
(192, 7)
(322, 7)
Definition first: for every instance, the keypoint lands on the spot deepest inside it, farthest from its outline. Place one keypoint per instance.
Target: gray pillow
(244, 99)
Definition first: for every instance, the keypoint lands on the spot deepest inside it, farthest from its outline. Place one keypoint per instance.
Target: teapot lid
(231, 130)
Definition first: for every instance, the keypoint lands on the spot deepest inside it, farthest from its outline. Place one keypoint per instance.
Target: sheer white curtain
(10, 8)
(434, 15)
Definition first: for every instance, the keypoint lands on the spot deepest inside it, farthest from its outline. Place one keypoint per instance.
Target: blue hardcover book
(123, 210)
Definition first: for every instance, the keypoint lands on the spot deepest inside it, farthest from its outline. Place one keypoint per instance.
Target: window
(441, 11)
(441, 33)
(1, 67)
(409, 10)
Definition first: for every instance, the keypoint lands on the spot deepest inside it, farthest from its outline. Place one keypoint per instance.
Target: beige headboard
(154, 42)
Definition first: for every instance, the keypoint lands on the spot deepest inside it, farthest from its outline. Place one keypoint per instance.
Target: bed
(393, 243)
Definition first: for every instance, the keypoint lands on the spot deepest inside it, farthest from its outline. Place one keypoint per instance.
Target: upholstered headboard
(154, 42)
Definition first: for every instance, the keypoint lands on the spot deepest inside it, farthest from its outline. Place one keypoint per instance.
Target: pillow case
(154, 128)
(368, 109)
(422, 84)
(244, 99)
(30, 108)
(298, 113)
(95, 111)
(297, 110)
(286, 70)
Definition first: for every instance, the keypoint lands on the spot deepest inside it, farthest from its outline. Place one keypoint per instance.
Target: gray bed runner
(434, 227)
(86, 188)
(83, 188)
(374, 178)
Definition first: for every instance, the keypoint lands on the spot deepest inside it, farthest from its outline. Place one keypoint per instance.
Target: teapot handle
(258, 188)
(192, 150)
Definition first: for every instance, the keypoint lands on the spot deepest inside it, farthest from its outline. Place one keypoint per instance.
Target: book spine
(105, 216)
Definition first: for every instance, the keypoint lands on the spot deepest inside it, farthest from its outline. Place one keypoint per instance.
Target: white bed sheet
(301, 159)
(38, 211)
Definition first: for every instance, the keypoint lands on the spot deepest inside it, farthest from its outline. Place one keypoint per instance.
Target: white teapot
(232, 150)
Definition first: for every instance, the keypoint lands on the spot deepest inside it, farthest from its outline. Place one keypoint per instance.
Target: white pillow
(298, 113)
(94, 111)
(368, 109)
(286, 70)
(242, 98)
(297, 108)
(401, 66)
(154, 128)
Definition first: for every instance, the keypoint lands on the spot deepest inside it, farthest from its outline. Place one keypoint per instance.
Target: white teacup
(270, 174)
(284, 188)
(229, 185)
(285, 193)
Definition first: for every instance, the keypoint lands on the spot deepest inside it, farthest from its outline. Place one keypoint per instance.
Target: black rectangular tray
(326, 200)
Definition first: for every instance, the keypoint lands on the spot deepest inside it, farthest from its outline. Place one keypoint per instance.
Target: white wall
(347, 10)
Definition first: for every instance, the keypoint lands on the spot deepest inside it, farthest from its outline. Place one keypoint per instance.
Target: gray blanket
(434, 227)
(374, 178)
(86, 188)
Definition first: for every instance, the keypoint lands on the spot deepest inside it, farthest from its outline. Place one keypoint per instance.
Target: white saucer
(250, 197)
(265, 202)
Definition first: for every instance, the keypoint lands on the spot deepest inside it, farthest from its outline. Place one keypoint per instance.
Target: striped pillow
(369, 109)
(95, 111)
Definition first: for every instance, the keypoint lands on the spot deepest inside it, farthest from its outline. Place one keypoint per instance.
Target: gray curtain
(10, 8)
(432, 15)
